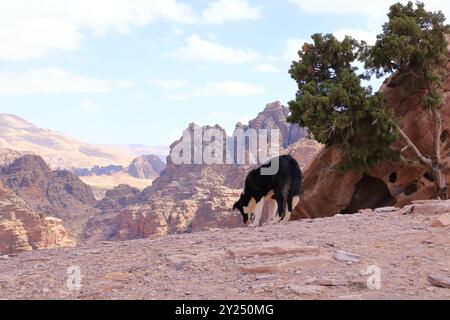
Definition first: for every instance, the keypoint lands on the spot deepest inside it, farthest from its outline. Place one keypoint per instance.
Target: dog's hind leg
(258, 213)
(281, 207)
(292, 204)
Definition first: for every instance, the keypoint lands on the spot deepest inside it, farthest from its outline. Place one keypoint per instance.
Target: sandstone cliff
(328, 192)
(146, 166)
(189, 197)
(55, 193)
(22, 229)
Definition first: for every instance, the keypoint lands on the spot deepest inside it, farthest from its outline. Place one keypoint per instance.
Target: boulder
(328, 191)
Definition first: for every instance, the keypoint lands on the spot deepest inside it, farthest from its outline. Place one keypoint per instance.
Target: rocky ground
(298, 260)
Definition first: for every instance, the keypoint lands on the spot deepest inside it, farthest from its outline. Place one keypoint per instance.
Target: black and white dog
(281, 188)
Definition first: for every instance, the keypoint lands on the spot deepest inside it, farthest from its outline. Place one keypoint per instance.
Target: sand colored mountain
(58, 150)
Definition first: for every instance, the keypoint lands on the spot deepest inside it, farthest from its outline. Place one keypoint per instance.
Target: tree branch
(437, 137)
(419, 155)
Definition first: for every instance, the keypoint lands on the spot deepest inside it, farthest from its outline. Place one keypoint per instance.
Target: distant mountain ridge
(61, 151)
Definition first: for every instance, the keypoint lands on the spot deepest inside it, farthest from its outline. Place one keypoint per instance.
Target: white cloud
(222, 89)
(177, 31)
(89, 105)
(125, 83)
(49, 80)
(30, 29)
(168, 84)
(222, 10)
(204, 50)
(373, 8)
(266, 68)
(293, 46)
(358, 34)
(375, 12)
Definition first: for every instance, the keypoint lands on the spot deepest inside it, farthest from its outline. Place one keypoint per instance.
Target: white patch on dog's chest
(250, 207)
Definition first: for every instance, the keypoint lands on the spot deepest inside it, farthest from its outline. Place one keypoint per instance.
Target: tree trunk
(439, 178)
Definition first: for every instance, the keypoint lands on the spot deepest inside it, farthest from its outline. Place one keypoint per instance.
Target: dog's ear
(235, 206)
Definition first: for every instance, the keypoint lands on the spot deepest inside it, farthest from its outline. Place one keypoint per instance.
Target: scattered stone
(275, 267)
(431, 207)
(118, 276)
(365, 211)
(265, 277)
(439, 281)
(386, 210)
(261, 288)
(306, 290)
(5, 257)
(89, 295)
(331, 283)
(350, 297)
(407, 210)
(272, 249)
(344, 256)
(442, 221)
(311, 281)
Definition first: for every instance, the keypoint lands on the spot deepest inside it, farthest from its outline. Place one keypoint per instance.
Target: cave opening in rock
(410, 189)
(393, 177)
(428, 176)
(370, 193)
(444, 136)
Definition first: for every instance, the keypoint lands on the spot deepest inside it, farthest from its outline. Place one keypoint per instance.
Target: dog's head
(245, 205)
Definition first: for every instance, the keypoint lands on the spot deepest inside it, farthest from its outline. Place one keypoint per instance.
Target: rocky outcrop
(54, 193)
(8, 156)
(274, 117)
(337, 258)
(98, 171)
(177, 199)
(22, 229)
(196, 197)
(327, 192)
(146, 166)
(119, 197)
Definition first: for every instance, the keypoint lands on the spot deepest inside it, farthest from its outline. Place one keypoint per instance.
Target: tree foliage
(332, 103)
(413, 44)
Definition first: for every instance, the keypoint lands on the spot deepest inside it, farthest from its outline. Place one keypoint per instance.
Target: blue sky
(139, 71)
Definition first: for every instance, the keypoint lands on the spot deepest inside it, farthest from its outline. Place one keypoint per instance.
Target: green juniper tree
(413, 45)
(339, 111)
(336, 108)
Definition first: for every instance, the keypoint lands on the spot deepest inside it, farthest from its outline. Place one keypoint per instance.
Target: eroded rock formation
(195, 197)
(22, 229)
(327, 192)
(146, 166)
(54, 193)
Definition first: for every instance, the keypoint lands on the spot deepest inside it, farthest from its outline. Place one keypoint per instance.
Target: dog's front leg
(258, 213)
(273, 207)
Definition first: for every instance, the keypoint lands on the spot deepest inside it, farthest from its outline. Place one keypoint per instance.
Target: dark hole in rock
(410, 189)
(370, 193)
(393, 177)
(444, 136)
(428, 176)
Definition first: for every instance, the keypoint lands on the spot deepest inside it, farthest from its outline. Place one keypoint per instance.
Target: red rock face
(146, 166)
(22, 229)
(55, 193)
(184, 198)
(327, 192)
(190, 198)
